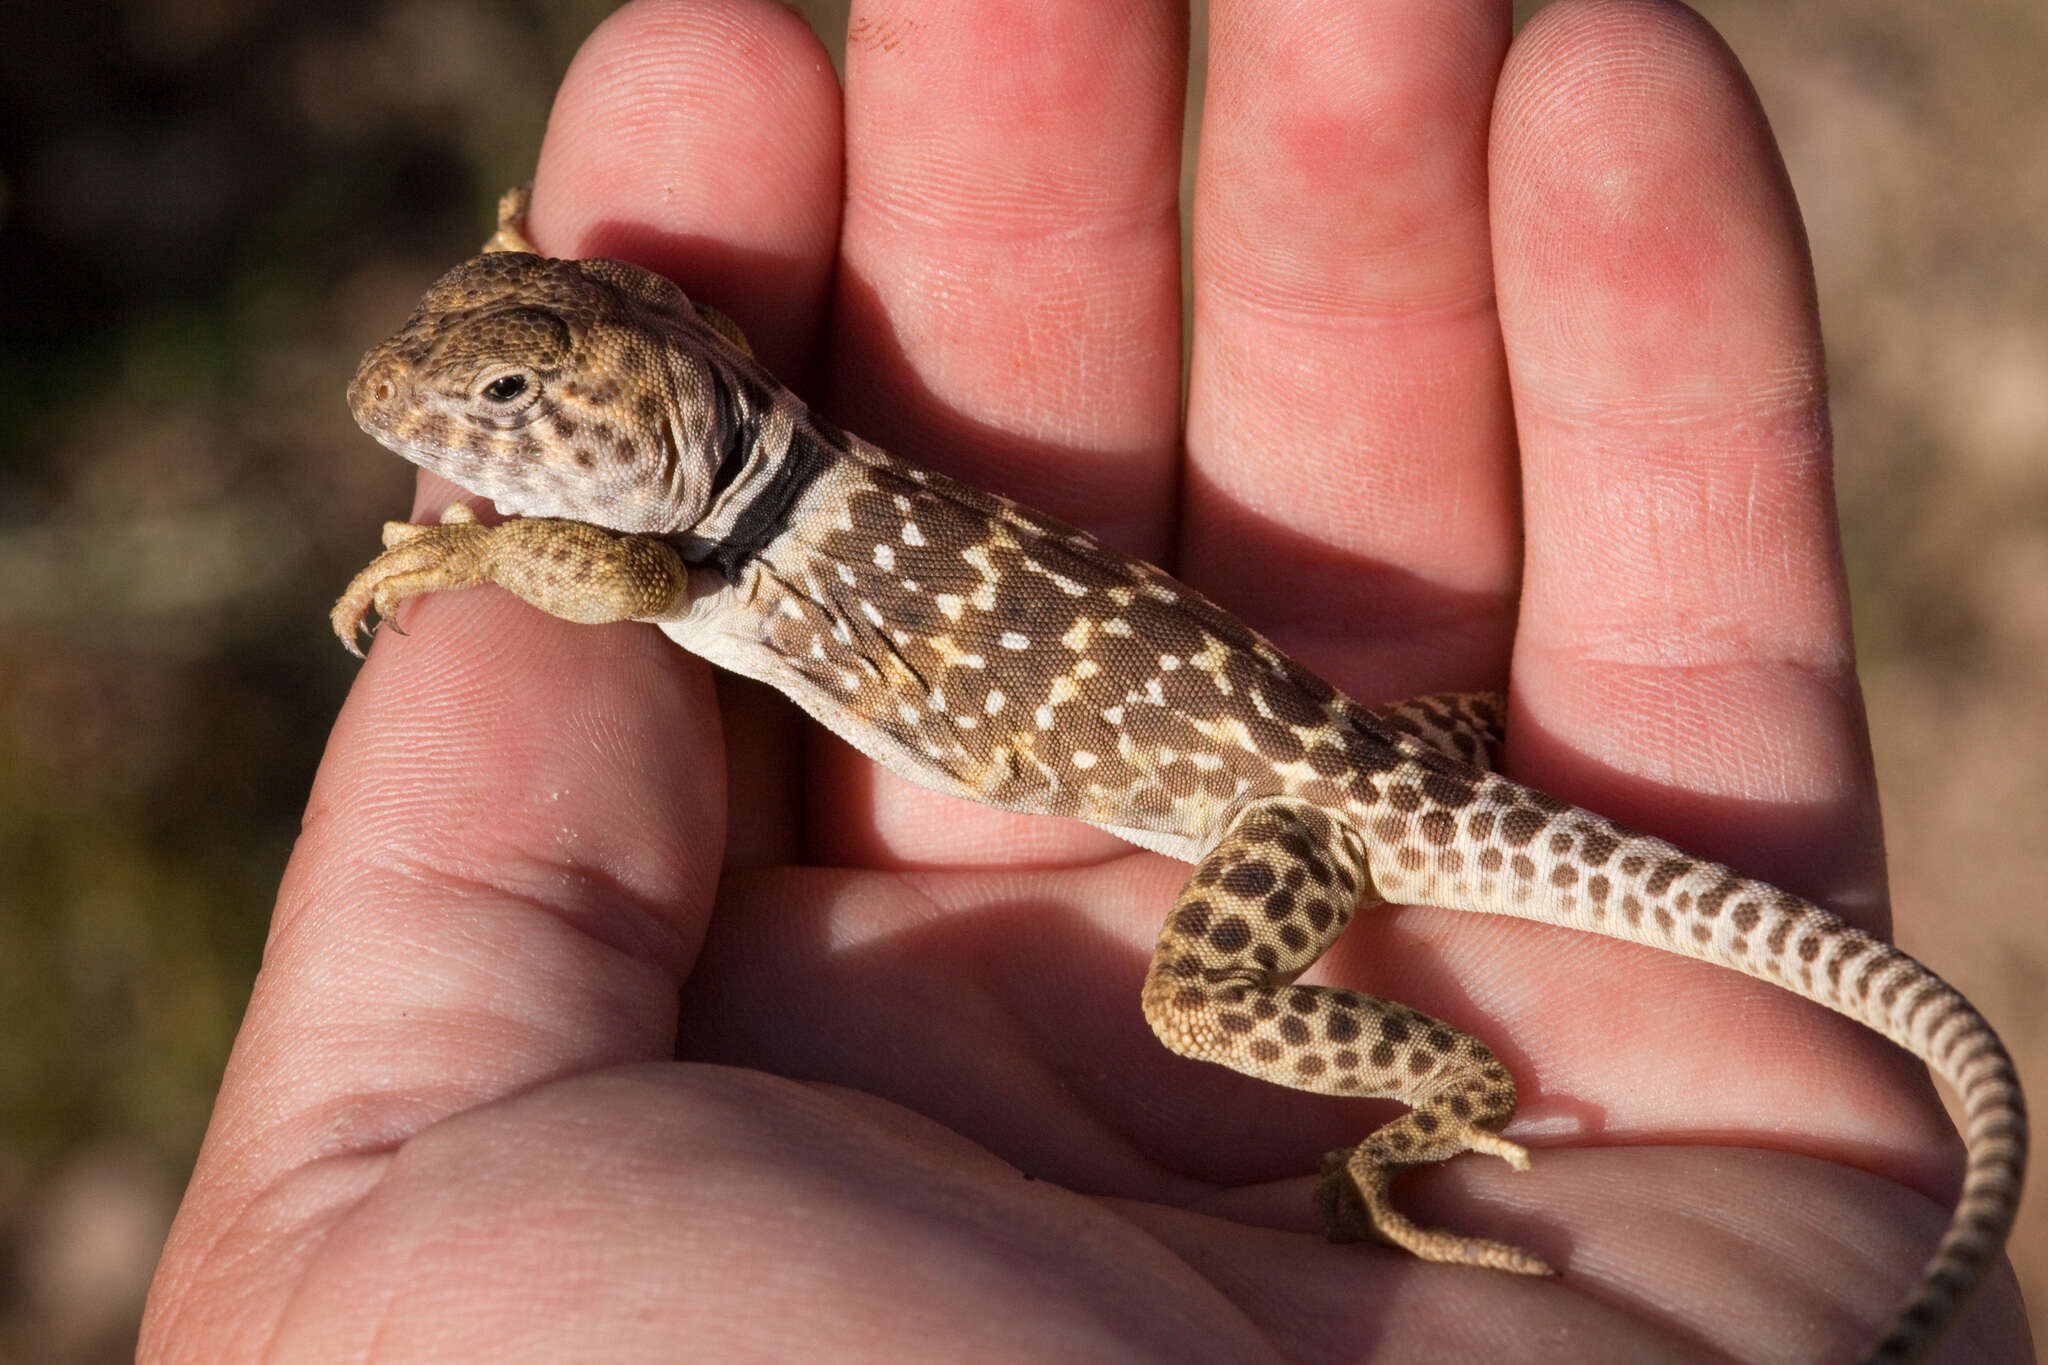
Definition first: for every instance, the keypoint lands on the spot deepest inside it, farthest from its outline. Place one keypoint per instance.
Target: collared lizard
(977, 647)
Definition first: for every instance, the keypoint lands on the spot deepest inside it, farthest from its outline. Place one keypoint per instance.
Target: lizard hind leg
(1263, 904)
(511, 233)
(513, 206)
(1464, 725)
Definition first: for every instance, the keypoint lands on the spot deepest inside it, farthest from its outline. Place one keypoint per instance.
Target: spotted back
(998, 652)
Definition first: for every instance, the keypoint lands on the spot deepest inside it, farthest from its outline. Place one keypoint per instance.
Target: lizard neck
(760, 487)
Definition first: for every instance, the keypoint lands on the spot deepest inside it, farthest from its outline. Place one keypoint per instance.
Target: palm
(452, 1120)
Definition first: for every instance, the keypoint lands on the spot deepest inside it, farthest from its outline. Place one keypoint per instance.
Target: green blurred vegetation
(208, 208)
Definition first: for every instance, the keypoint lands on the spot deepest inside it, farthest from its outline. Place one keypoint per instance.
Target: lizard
(659, 473)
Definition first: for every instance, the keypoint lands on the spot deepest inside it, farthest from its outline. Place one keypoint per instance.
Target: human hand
(453, 1125)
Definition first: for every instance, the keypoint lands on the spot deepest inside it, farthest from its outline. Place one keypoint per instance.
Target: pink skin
(453, 1127)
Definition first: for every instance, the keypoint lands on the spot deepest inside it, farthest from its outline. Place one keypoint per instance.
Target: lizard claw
(417, 559)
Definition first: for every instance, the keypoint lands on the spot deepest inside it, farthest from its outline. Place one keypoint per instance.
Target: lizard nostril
(373, 389)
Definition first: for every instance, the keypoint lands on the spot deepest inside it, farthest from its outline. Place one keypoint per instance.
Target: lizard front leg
(569, 569)
(1274, 892)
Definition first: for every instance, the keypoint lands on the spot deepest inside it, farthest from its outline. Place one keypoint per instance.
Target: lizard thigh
(1262, 905)
(1465, 725)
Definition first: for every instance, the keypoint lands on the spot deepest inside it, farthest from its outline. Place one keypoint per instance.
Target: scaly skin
(983, 649)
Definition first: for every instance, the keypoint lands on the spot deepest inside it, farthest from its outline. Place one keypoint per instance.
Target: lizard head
(590, 390)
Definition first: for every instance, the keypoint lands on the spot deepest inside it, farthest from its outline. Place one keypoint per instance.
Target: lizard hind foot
(1352, 1203)
(511, 233)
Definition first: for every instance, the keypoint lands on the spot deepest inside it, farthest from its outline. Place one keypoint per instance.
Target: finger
(1008, 302)
(1351, 485)
(512, 843)
(1683, 660)
(703, 141)
(672, 148)
(1662, 329)
(705, 144)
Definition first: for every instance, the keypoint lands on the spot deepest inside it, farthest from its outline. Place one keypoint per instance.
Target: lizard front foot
(569, 569)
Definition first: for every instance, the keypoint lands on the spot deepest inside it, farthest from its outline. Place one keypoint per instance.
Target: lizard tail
(1508, 850)
(1942, 1029)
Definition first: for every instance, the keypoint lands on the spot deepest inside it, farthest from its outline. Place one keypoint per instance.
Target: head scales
(584, 389)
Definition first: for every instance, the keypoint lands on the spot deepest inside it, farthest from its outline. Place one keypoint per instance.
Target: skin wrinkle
(1793, 399)
(1331, 316)
(1739, 705)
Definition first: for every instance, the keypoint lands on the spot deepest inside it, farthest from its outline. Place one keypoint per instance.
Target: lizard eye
(505, 388)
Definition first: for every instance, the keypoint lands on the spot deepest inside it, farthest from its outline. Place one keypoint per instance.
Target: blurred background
(208, 208)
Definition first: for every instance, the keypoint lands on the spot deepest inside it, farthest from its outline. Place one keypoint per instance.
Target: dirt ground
(175, 358)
